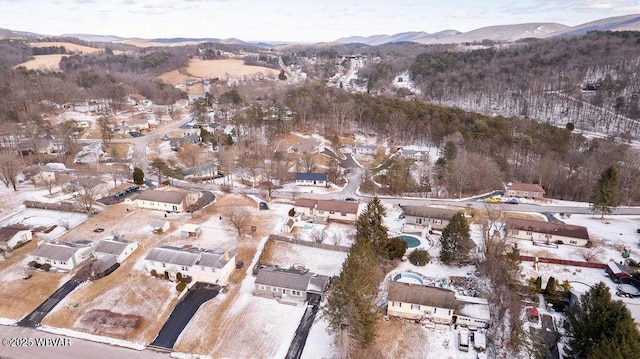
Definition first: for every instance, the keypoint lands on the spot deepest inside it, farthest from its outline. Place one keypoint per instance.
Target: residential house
(420, 217)
(346, 149)
(120, 248)
(419, 302)
(90, 153)
(290, 284)
(202, 265)
(366, 150)
(136, 125)
(524, 190)
(40, 175)
(307, 145)
(12, 236)
(62, 255)
(190, 137)
(548, 233)
(159, 226)
(312, 179)
(40, 145)
(202, 172)
(418, 155)
(253, 177)
(325, 210)
(170, 201)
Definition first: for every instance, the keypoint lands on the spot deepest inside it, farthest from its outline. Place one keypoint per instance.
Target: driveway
(182, 314)
(300, 338)
(551, 337)
(35, 318)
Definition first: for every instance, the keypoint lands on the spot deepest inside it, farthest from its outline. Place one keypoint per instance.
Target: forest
(492, 109)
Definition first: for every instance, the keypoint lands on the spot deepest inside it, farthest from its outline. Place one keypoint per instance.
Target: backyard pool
(408, 278)
(412, 241)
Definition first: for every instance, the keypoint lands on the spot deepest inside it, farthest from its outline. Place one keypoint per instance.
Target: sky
(291, 20)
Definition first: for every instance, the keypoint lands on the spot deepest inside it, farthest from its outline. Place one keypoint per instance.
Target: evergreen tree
(371, 226)
(455, 240)
(351, 306)
(605, 196)
(600, 328)
(138, 176)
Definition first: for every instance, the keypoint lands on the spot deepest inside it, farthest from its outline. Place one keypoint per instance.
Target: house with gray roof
(324, 210)
(202, 265)
(547, 233)
(169, 200)
(202, 172)
(366, 150)
(289, 284)
(62, 255)
(419, 217)
(120, 248)
(40, 174)
(12, 236)
(412, 301)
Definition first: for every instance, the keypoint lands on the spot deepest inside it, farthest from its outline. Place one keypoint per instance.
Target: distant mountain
(618, 23)
(6, 33)
(502, 32)
(94, 38)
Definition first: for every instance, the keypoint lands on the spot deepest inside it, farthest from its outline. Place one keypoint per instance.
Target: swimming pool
(408, 278)
(412, 241)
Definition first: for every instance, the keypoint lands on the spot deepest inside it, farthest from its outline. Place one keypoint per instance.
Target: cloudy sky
(291, 20)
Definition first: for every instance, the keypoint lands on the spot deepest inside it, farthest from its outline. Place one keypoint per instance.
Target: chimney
(226, 255)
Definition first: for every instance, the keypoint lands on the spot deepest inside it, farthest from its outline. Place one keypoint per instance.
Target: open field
(43, 62)
(67, 45)
(223, 69)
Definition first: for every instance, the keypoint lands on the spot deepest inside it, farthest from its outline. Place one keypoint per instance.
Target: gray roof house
(120, 248)
(421, 302)
(312, 179)
(289, 284)
(418, 217)
(202, 265)
(172, 201)
(12, 236)
(62, 255)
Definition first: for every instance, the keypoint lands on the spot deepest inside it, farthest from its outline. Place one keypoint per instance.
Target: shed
(159, 226)
(532, 314)
(190, 230)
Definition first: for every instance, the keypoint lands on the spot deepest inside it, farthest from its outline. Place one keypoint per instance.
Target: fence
(260, 263)
(563, 262)
(61, 206)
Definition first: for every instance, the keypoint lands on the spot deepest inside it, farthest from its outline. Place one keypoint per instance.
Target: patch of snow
(92, 337)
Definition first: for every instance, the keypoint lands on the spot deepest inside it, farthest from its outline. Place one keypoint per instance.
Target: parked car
(351, 199)
(135, 134)
(493, 200)
(511, 201)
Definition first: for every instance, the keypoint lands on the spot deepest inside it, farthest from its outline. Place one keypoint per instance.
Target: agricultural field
(223, 69)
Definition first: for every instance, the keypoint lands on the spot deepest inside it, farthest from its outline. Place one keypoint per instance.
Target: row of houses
(68, 255)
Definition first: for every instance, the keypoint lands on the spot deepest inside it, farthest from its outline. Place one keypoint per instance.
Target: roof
(215, 258)
(300, 176)
(367, 147)
(157, 223)
(174, 255)
(292, 278)
(112, 246)
(6, 233)
(202, 169)
(431, 212)
(478, 311)
(56, 251)
(525, 187)
(190, 227)
(328, 205)
(560, 229)
(36, 169)
(420, 294)
(162, 196)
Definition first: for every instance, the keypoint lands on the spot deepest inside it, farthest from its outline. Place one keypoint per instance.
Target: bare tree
(318, 236)
(9, 168)
(307, 162)
(238, 217)
(106, 131)
(589, 253)
(189, 155)
(85, 192)
(336, 238)
(49, 182)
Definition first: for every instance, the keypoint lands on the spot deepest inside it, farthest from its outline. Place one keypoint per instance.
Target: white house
(472, 312)
(366, 150)
(419, 302)
(190, 230)
(170, 201)
(40, 174)
(202, 265)
(547, 233)
(62, 255)
(10, 237)
(119, 248)
(419, 217)
(312, 179)
(343, 211)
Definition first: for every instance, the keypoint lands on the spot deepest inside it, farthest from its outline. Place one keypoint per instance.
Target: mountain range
(500, 33)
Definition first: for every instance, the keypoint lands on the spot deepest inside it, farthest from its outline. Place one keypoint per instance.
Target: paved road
(183, 312)
(67, 348)
(302, 332)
